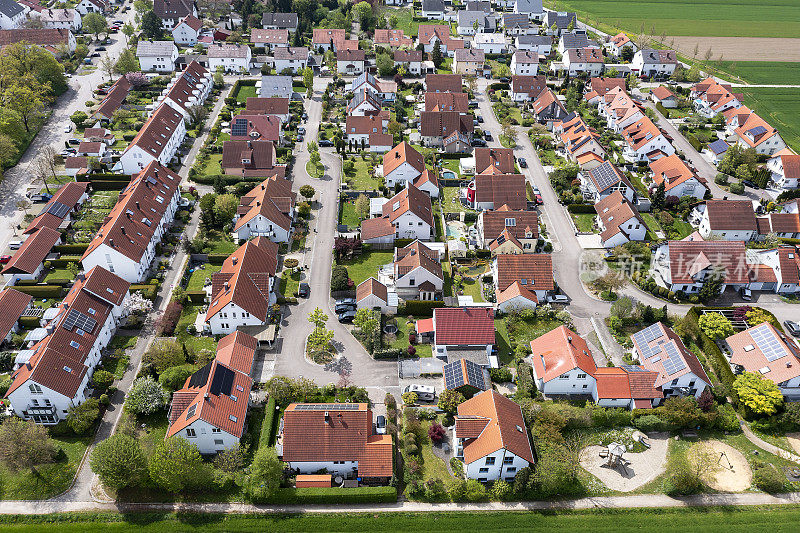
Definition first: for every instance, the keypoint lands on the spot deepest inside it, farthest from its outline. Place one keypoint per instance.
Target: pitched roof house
(525, 88)
(767, 352)
(67, 199)
(27, 262)
(490, 191)
(597, 183)
(14, 304)
(443, 83)
(678, 179)
(267, 210)
(520, 226)
(402, 164)
(619, 221)
(464, 333)
(684, 265)
(251, 158)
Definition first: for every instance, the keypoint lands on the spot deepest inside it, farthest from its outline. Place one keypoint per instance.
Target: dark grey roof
(528, 6)
(651, 57)
(572, 40)
(276, 87)
(560, 19)
(433, 5)
(534, 39)
(476, 355)
(280, 20)
(10, 8)
(172, 9)
(468, 18)
(516, 20)
(480, 5)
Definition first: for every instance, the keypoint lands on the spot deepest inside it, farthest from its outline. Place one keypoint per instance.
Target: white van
(424, 392)
(15, 244)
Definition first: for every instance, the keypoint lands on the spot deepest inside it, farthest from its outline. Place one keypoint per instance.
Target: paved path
(766, 446)
(295, 327)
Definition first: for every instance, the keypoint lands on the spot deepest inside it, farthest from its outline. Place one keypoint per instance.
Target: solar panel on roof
(58, 209)
(758, 130)
(222, 382)
(675, 363)
(239, 127)
(327, 407)
(605, 176)
(76, 319)
(768, 342)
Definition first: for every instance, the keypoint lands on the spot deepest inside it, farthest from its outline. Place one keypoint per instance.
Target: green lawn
(651, 222)
(405, 20)
(433, 467)
(122, 341)
(198, 278)
(779, 107)
(290, 283)
(244, 92)
(451, 202)
(762, 72)
(212, 166)
(47, 480)
(743, 519)
(401, 340)
(366, 265)
(348, 214)
(713, 18)
(58, 273)
(584, 222)
(359, 179)
(522, 334)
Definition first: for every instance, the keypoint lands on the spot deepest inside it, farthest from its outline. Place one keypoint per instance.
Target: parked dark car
(523, 163)
(303, 290)
(349, 301)
(748, 183)
(478, 142)
(488, 136)
(504, 80)
(347, 316)
(100, 49)
(480, 119)
(96, 54)
(344, 308)
(792, 327)
(325, 142)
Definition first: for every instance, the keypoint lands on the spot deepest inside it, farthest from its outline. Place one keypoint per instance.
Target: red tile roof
(113, 100)
(444, 123)
(245, 279)
(662, 93)
(531, 85)
(503, 427)
(688, 258)
(372, 228)
(501, 189)
(68, 195)
(392, 38)
(499, 158)
(533, 271)
(672, 171)
(560, 351)
(371, 286)
(267, 106)
(443, 83)
(731, 215)
(627, 382)
(237, 351)
(273, 199)
(448, 101)
(427, 32)
(498, 220)
(410, 200)
(33, 252)
(464, 326)
(614, 210)
(157, 130)
(400, 154)
(259, 127)
(262, 36)
(13, 303)
(417, 255)
(261, 154)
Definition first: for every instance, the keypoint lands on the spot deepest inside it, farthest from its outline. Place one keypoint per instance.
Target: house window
(35, 388)
(484, 470)
(490, 460)
(508, 460)
(511, 470)
(190, 433)
(216, 430)
(218, 442)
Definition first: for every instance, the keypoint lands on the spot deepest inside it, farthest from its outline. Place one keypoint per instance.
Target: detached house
(526, 88)
(522, 281)
(53, 375)
(469, 61)
(13, 14)
(562, 364)
(270, 39)
(532, 8)
(350, 62)
(126, 242)
(784, 167)
(618, 109)
(433, 9)
(337, 438)
(266, 211)
(158, 56)
(171, 12)
(519, 227)
(541, 44)
(583, 60)
(729, 220)
(411, 213)
(711, 97)
(578, 138)
(490, 191)
(766, 352)
(619, 221)
(678, 179)
(471, 22)
(547, 108)
(685, 265)
(402, 164)
(276, 87)
(430, 34)
(491, 437)
(516, 24)
(230, 57)
(251, 158)
(575, 41)
(557, 22)
(645, 142)
(654, 63)
(602, 181)
(447, 102)
(328, 39)
(294, 59)
(491, 43)
(524, 63)
(660, 350)
(66, 19)
(84, 7)
(369, 130)
(449, 130)
(243, 291)
(417, 272)
(619, 42)
(280, 21)
(665, 97)
(372, 294)
(157, 141)
(463, 333)
(187, 31)
(211, 408)
(756, 133)
(268, 106)
(443, 83)
(411, 60)
(392, 38)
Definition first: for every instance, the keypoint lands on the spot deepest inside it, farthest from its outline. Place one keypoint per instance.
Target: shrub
(737, 188)
(169, 319)
(457, 466)
(145, 396)
(410, 398)
(448, 420)
(103, 379)
(426, 414)
(500, 375)
(436, 433)
(501, 490)
(648, 423)
(769, 479)
(174, 377)
(265, 439)
(333, 495)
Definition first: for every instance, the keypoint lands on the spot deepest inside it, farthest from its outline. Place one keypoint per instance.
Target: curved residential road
(17, 179)
(291, 361)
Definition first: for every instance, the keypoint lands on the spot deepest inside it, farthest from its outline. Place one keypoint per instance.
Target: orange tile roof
(371, 286)
(614, 210)
(13, 303)
(533, 271)
(515, 290)
(672, 171)
(748, 352)
(688, 258)
(400, 154)
(662, 93)
(464, 326)
(237, 351)
(417, 255)
(505, 428)
(560, 351)
(33, 252)
(372, 228)
(410, 200)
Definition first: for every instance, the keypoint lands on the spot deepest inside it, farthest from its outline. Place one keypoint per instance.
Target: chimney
(544, 366)
(122, 229)
(327, 416)
(249, 145)
(155, 171)
(234, 260)
(397, 155)
(111, 242)
(205, 396)
(569, 339)
(226, 285)
(137, 206)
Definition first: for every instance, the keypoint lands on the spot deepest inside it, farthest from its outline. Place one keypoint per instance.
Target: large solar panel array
(675, 362)
(768, 342)
(758, 130)
(76, 319)
(454, 377)
(58, 209)
(605, 176)
(327, 407)
(643, 339)
(239, 127)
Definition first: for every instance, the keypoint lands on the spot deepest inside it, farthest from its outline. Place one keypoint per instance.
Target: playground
(730, 471)
(624, 471)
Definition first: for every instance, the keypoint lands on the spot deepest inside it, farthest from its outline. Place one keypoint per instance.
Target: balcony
(38, 410)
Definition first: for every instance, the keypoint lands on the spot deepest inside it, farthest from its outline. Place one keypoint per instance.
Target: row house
(779, 270)
(14, 304)
(27, 263)
(380, 89)
(126, 242)
(244, 289)
(157, 141)
(444, 83)
(598, 87)
(53, 375)
(66, 19)
(577, 137)
(458, 102)
(363, 103)
(57, 213)
(618, 109)
(113, 100)
(267, 210)
(654, 63)
(56, 41)
(210, 410)
(188, 89)
(328, 39)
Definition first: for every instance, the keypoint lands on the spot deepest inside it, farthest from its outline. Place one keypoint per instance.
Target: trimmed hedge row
(209, 179)
(29, 321)
(196, 297)
(65, 260)
(421, 307)
(388, 353)
(148, 291)
(42, 291)
(267, 425)
(581, 208)
(217, 259)
(328, 495)
(71, 249)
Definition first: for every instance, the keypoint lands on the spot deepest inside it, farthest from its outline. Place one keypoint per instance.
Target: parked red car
(4, 259)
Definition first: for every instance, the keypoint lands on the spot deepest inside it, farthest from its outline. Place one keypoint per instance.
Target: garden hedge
(217, 259)
(42, 291)
(581, 208)
(65, 260)
(209, 179)
(196, 297)
(71, 249)
(421, 307)
(333, 495)
(389, 353)
(148, 291)
(715, 356)
(29, 321)
(267, 425)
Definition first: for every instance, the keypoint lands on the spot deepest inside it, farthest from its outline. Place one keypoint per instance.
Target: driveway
(16, 180)
(291, 361)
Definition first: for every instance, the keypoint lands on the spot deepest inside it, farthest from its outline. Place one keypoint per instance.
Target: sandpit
(794, 440)
(643, 468)
(731, 475)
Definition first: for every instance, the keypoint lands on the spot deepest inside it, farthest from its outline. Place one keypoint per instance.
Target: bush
(737, 188)
(267, 425)
(340, 279)
(41, 291)
(769, 479)
(103, 379)
(174, 377)
(422, 307)
(500, 375)
(436, 433)
(389, 353)
(649, 423)
(145, 397)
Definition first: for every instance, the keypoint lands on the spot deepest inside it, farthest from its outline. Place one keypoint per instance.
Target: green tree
(24, 444)
(127, 62)
(436, 55)
(128, 30)
(757, 316)
(712, 286)
(365, 320)
(81, 417)
(409, 398)
(78, 118)
(119, 462)
(225, 207)
(307, 192)
(362, 206)
(151, 26)
(94, 23)
(207, 215)
(27, 100)
(449, 400)
(385, 64)
(145, 397)
(762, 396)
(266, 472)
(32, 67)
(659, 196)
(176, 465)
(163, 354)
(173, 378)
(715, 325)
(102, 379)
(308, 80)
(318, 318)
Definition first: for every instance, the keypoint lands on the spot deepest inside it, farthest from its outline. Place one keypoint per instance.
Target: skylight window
(75, 345)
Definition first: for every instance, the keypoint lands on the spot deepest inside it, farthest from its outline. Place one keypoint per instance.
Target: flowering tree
(136, 304)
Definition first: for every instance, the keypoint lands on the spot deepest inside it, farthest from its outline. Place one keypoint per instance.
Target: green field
(712, 18)
(732, 520)
(762, 72)
(779, 107)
